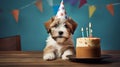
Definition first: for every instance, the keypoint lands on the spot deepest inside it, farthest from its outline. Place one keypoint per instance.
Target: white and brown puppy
(59, 43)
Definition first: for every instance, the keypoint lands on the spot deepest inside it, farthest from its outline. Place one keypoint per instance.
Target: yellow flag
(91, 10)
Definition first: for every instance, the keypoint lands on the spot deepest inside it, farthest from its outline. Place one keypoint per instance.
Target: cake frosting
(88, 47)
(88, 42)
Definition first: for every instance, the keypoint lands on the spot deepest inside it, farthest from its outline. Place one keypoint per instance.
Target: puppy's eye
(56, 25)
(66, 26)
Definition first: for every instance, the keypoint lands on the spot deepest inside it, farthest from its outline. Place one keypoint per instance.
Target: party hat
(61, 12)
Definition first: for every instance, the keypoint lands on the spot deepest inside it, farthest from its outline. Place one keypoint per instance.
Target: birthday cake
(88, 47)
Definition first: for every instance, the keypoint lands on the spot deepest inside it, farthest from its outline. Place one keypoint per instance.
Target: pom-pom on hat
(61, 12)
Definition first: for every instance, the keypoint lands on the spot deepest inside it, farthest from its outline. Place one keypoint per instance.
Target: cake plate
(89, 60)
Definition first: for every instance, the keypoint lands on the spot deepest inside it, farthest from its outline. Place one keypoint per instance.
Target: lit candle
(87, 31)
(90, 25)
(91, 32)
(82, 32)
(90, 29)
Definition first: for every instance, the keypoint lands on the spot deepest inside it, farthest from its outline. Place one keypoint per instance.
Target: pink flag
(110, 8)
(82, 2)
(15, 14)
(39, 5)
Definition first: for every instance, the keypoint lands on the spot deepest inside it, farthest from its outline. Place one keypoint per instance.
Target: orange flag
(15, 14)
(110, 8)
(39, 5)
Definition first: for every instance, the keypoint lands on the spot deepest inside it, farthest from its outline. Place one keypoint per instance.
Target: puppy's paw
(49, 56)
(64, 57)
(66, 54)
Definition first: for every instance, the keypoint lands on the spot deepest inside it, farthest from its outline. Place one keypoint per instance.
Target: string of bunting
(38, 3)
(92, 8)
(15, 12)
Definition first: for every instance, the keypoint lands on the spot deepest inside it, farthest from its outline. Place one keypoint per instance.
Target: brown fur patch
(49, 49)
(48, 23)
(72, 25)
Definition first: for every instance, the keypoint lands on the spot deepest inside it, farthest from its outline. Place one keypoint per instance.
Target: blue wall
(31, 22)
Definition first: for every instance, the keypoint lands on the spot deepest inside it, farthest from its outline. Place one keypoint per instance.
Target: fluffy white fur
(57, 47)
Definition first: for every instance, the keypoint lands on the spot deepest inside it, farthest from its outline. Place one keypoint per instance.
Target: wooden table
(34, 58)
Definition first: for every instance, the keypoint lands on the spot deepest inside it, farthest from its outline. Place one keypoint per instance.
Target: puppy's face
(60, 30)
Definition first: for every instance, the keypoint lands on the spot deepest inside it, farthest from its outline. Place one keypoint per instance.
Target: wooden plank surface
(34, 58)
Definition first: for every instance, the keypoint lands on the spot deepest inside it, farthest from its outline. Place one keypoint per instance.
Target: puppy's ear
(73, 23)
(47, 24)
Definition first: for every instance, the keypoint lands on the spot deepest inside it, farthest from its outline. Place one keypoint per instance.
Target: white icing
(85, 42)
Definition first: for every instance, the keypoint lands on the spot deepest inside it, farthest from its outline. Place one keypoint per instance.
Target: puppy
(59, 43)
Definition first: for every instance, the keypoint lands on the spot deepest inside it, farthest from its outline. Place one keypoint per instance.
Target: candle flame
(82, 29)
(90, 25)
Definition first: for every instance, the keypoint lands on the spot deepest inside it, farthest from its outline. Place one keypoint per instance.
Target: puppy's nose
(60, 32)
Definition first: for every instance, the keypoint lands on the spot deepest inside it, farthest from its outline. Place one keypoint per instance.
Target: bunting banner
(39, 5)
(15, 14)
(55, 8)
(110, 8)
(82, 2)
(91, 10)
(50, 2)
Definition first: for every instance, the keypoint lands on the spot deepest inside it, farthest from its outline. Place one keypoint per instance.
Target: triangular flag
(15, 14)
(39, 5)
(91, 10)
(82, 2)
(50, 2)
(110, 8)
